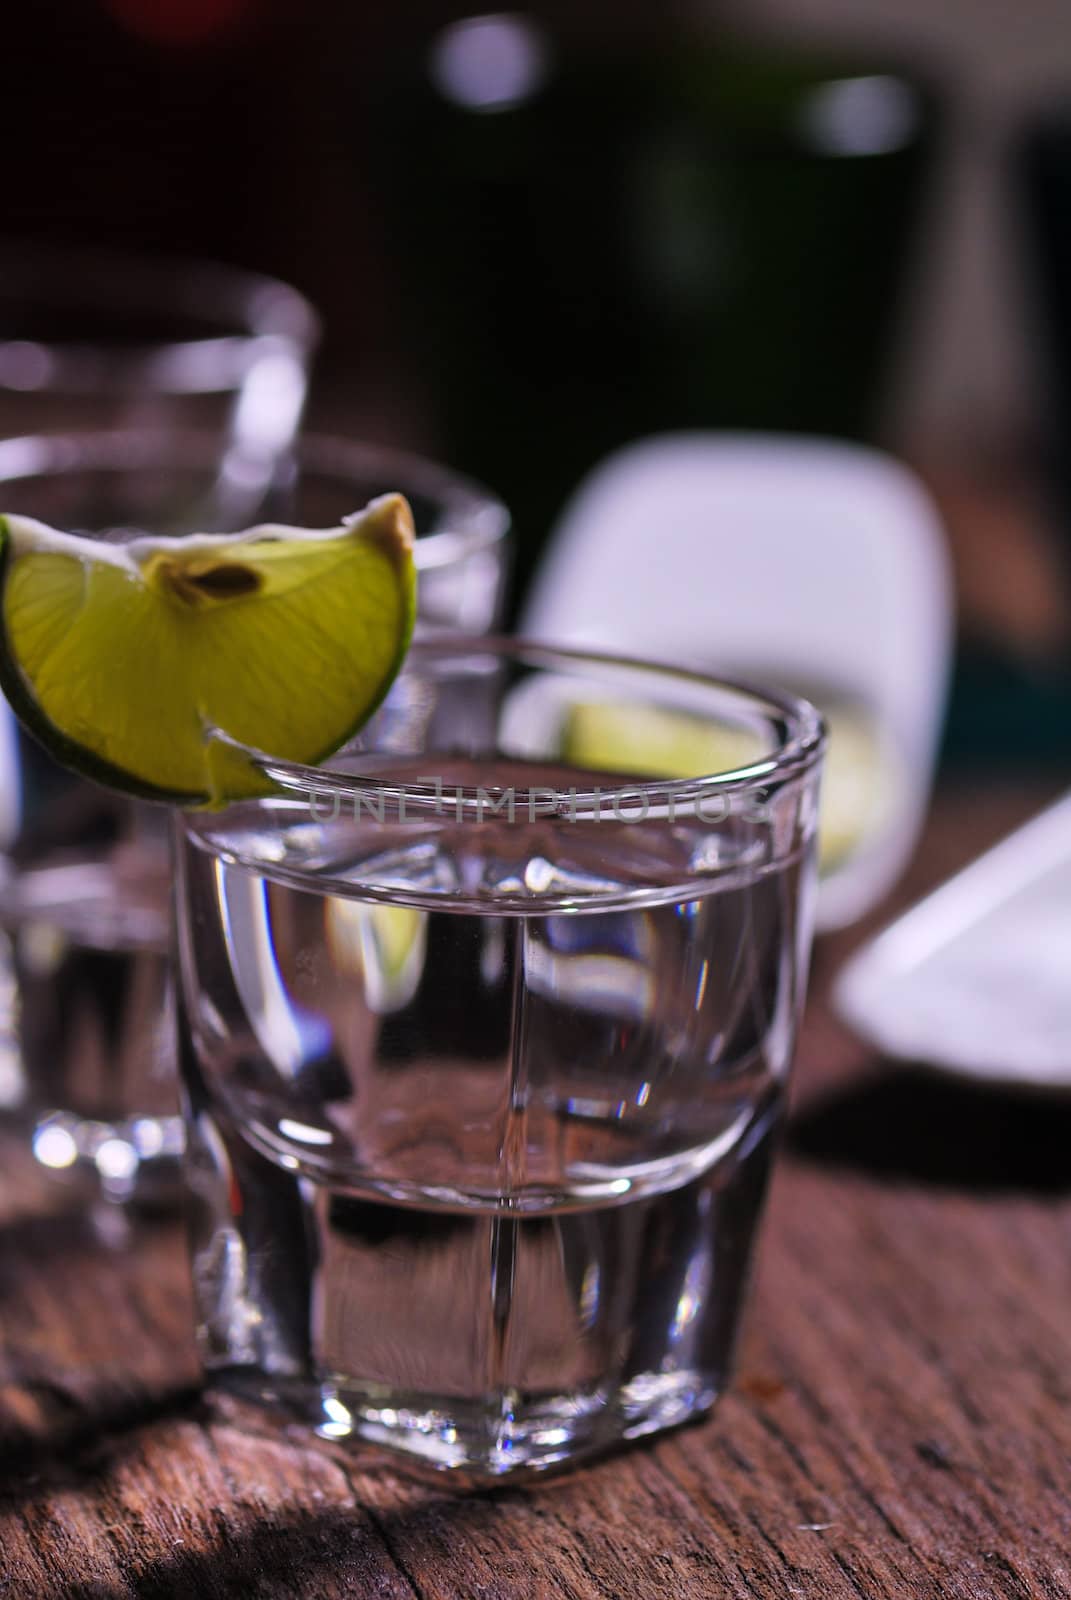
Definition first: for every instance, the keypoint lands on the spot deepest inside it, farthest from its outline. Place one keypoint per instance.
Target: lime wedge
(125, 659)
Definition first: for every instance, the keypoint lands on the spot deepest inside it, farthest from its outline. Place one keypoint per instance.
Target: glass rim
(483, 520)
(253, 312)
(796, 753)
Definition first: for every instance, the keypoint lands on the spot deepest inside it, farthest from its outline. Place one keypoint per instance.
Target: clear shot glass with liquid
(485, 1051)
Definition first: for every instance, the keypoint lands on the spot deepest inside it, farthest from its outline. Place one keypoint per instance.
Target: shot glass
(91, 340)
(106, 341)
(87, 1054)
(484, 1056)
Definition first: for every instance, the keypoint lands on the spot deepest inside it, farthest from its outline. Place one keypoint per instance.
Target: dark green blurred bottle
(595, 244)
(1009, 704)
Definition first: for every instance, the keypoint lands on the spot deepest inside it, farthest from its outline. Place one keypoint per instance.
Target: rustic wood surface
(901, 1424)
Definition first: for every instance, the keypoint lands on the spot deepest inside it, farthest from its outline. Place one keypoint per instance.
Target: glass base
(483, 1443)
(135, 1160)
(469, 1343)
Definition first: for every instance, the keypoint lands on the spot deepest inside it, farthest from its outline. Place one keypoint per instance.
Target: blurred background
(537, 235)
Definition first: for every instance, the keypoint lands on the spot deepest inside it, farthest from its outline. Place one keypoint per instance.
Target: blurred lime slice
(647, 741)
(125, 659)
(859, 785)
(385, 945)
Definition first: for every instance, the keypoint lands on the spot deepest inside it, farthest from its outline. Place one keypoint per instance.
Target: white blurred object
(804, 562)
(976, 978)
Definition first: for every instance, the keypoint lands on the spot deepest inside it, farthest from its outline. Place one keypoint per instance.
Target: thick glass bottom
(485, 1442)
(471, 1343)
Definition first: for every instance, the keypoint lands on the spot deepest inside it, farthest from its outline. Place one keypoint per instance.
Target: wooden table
(901, 1424)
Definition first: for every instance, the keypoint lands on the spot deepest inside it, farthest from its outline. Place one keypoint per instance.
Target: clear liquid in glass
(90, 1059)
(481, 1186)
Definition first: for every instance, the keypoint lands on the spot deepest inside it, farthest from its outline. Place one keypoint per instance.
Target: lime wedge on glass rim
(127, 659)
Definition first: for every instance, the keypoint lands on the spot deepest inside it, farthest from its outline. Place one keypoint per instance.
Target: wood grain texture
(901, 1424)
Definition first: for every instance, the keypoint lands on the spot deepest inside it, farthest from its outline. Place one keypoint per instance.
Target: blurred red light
(179, 22)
